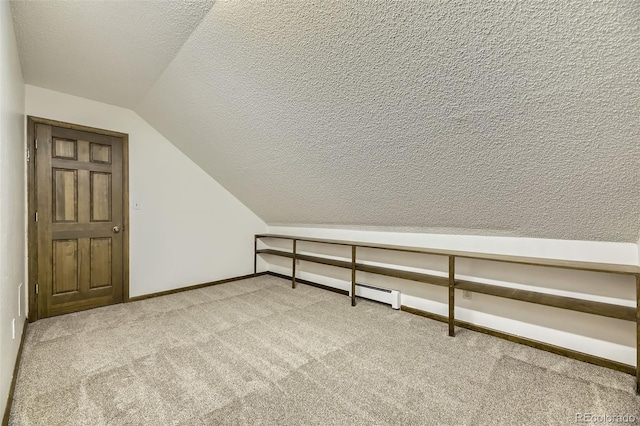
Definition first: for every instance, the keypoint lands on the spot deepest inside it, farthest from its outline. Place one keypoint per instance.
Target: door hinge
(36, 216)
(28, 155)
(36, 143)
(36, 288)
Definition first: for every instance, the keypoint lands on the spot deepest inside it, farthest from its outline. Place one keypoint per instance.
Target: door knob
(116, 229)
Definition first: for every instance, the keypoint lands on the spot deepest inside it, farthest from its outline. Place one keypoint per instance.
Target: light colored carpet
(257, 352)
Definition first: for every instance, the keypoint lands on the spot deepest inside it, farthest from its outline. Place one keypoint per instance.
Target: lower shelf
(569, 353)
(570, 303)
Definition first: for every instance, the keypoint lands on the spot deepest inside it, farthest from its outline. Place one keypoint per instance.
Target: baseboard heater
(383, 295)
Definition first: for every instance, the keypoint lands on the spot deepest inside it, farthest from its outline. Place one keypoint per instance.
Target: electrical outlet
(466, 294)
(13, 329)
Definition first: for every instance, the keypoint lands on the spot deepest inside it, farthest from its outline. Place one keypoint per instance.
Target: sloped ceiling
(492, 117)
(110, 51)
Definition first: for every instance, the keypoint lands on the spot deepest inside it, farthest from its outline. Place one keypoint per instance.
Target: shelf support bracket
(452, 293)
(353, 275)
(255, 254)
(293, 271)
(638, 334)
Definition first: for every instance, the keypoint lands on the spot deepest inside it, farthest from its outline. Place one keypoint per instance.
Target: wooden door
(79, 199)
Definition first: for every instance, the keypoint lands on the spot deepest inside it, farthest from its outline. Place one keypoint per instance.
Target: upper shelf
(535, 261)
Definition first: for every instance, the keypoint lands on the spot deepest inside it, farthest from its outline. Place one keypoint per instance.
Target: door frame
(32, 204)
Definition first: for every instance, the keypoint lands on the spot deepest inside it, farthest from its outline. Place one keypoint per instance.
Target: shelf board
(307, 258)
(324, 261)
(570, 303)
(380, 270)
(276, 253)
(405, 275)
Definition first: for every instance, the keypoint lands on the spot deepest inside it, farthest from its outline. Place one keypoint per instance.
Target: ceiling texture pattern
(111, 51)
(492, 117)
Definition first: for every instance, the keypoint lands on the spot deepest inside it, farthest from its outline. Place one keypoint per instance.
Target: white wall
(12, 201)
(605, 337)
(189, 229)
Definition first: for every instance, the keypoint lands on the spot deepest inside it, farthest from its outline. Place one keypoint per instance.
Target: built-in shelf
(563, 302)
(612, 268)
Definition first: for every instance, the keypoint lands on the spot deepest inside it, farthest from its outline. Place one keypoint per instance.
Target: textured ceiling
(484, 117)
(490, 117)
(110, 51)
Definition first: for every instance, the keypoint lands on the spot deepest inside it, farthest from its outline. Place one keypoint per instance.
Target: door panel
(100, 197)
(65, 195)
(79, 191)
(101, 269)
(63, 148)
(65, 266)
(100, 153)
